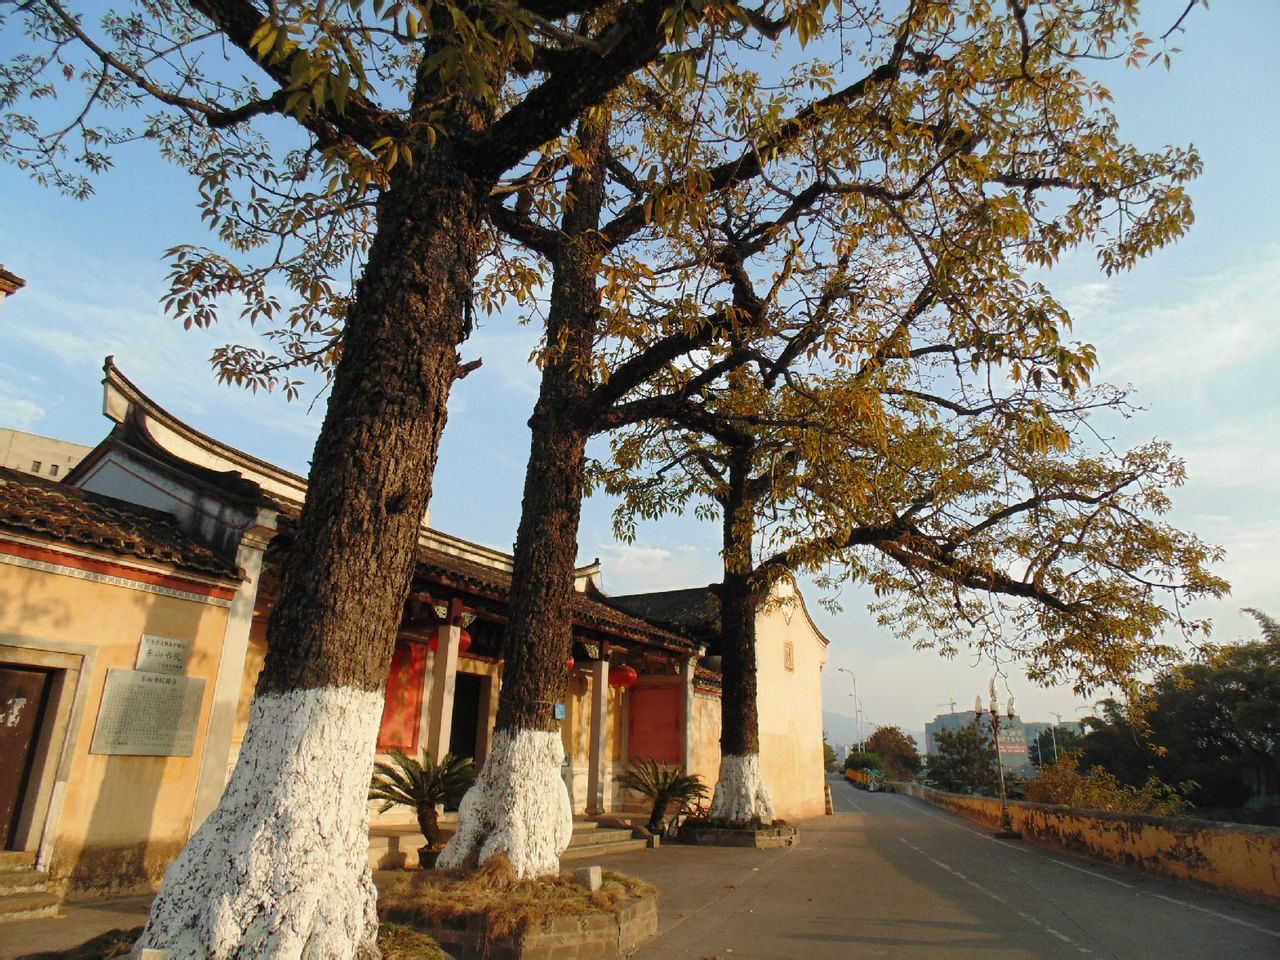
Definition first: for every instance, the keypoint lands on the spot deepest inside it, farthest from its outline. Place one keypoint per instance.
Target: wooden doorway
(24, 691)
(464, 732)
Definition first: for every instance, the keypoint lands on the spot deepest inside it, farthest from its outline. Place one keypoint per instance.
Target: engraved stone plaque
(162, 654)
(148, 714)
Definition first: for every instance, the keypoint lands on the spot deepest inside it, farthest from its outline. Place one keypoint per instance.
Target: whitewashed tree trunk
(518, 807)
(280, 869)
(740, 794)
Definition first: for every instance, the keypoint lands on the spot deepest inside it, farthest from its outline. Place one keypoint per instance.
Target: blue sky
(1195, 330)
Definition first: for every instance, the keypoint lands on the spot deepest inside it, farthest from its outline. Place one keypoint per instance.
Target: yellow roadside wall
(1240, 859)
(122, 819)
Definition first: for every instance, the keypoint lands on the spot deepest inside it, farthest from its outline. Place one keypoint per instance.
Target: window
(35, 466)
(789, 655)
(53, 469)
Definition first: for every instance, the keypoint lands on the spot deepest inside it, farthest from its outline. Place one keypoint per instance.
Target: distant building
(37, 455)
(1014, 755)
(10, 283)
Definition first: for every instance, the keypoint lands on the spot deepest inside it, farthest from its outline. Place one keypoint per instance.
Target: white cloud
(19, 412)
(634, 569)
(1233, 456)
(1188, 330)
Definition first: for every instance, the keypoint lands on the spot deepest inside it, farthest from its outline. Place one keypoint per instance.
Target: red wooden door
(23, 691)
(656, 723)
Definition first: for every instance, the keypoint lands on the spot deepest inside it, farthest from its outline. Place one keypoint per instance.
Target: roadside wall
(1239, 859)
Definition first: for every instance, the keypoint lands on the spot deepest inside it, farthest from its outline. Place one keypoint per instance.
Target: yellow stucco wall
(122, 819)
(1243, 860)
(790, 706)
(705, 745)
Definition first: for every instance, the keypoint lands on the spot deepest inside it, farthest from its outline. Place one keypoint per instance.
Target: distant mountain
(841, 729)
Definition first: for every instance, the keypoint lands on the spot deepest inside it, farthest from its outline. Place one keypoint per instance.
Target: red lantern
(568, 667)
(623, 676)
(464, 641)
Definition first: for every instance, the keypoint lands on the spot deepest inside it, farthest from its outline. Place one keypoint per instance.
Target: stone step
(27, 906)
(23, 881)
(598, 836)
(17, 859)
(594, 850)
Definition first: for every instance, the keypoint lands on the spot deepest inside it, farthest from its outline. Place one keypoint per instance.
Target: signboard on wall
(147, 714)
(163, 655)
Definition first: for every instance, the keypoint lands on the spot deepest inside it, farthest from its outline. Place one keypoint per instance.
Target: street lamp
(1054, 736)
(857, 727)
(1006, 831)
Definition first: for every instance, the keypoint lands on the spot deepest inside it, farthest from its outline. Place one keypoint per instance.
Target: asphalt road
(888, 876)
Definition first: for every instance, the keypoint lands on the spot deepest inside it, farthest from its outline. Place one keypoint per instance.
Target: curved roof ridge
(122, 393)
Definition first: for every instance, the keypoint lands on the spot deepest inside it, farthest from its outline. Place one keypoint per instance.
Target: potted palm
(423, 786)
(662, 785)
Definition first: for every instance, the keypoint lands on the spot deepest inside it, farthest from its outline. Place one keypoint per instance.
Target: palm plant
(423, 786)
(662, 784)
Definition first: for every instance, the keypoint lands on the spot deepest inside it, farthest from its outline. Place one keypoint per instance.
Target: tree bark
(740, 793)
(519, 806)
(280, 868)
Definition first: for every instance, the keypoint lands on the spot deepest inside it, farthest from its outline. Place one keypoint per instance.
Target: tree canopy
(897, 751)
(1214, 721)
(965, 761)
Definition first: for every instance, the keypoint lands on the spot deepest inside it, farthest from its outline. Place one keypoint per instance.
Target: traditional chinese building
(639, 683)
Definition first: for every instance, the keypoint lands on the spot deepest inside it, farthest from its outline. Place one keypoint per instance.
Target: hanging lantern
(568, 668)
(464, 641)
(623, 676)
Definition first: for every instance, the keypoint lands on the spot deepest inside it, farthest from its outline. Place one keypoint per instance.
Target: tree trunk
(519, 806)
(740, 793)
(280, 868)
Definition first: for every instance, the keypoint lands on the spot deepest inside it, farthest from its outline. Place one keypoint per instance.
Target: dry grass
(403, 943)
(448, 898)
(395, 941)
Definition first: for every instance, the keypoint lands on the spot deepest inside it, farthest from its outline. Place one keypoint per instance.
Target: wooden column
(444, 673)
(215, 754)
(686, 673)
(597, 747)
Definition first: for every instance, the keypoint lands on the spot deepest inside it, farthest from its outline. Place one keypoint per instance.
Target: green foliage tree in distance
(862, 760)
(1213, 721)
(1052, 744)
(829, 759)
(897, 751)
(965, 761)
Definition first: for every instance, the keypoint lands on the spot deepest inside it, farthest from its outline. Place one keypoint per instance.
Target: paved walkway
(886, 876)
(74, 924)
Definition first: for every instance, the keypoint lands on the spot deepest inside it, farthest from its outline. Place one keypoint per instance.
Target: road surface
(889, 876)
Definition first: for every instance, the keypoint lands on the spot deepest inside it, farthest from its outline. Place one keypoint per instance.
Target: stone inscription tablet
(148, 714)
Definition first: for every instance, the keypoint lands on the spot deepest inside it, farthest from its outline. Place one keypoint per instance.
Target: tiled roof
(695, 610)
(35, 506)
(448, 568)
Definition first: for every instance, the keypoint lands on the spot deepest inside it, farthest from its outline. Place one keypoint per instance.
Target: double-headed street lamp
(1006, 831)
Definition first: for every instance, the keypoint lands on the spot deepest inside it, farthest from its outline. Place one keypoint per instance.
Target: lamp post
(857, 727)
(1006, 831)
(1053, 734)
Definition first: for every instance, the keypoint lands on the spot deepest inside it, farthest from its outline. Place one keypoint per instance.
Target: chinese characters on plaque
(151, 711)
